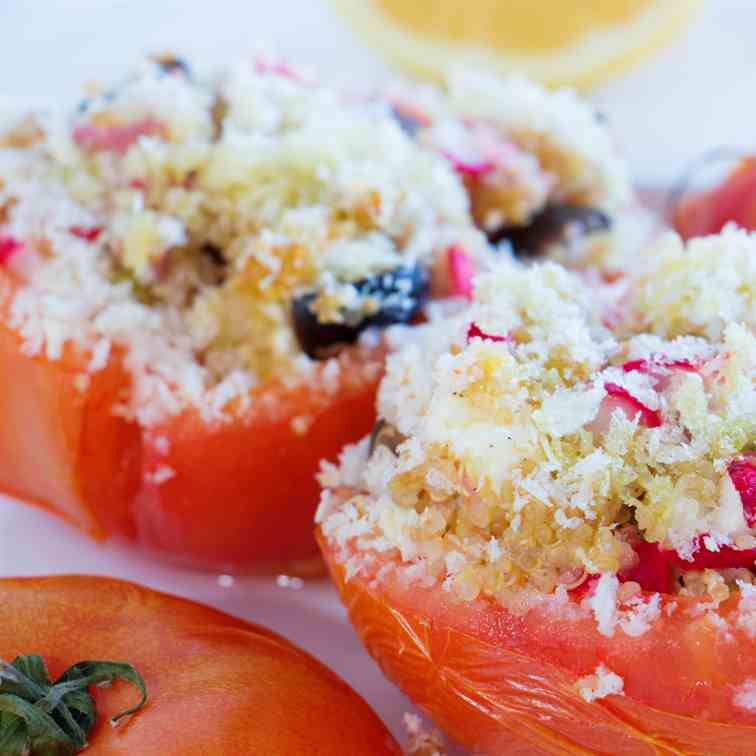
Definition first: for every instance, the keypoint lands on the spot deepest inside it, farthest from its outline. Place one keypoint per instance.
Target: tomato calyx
(40, 717)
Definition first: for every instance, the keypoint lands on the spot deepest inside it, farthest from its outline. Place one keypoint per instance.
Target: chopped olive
(398, 295)
(212, 266)
(315, 337)
(213, 253)
(385, 434)
(555, 224)
(408, 124)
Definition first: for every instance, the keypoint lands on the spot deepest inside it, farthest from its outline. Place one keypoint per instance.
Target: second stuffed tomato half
(197, 273)
(549, 540)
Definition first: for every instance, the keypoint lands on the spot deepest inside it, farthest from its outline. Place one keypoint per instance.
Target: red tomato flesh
(239, 495)
(500, 682)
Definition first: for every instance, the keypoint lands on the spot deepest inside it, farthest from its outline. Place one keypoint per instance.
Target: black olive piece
(315, 337)
(384, 434)
(400, 293)
(170, 64)
(409, 125)
(212, 252)
(553, 225)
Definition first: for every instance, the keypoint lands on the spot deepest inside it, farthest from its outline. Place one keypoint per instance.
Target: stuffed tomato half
(548, 541)
(197, 273)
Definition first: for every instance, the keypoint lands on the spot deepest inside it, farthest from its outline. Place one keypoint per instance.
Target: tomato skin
(504, 683)
(216, 684)
(733, 200)
(61, 446)
(240, 495)
(247, 491)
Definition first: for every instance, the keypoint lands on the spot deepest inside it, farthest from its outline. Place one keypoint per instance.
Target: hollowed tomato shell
(734, 200)
(501, 683)
(217, 685)
(233, 495)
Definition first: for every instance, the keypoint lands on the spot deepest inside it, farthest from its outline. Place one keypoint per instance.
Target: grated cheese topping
(536, 446)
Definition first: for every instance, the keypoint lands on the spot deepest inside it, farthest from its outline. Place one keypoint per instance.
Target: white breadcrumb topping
(698, 288)
(535, 445)
(560, 119)
(602, 683)
(176, 217)
(555, 127)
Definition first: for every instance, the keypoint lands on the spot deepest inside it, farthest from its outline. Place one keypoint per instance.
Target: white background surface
(696, 95)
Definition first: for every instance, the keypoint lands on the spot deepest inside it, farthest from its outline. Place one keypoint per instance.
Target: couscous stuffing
(531, 446)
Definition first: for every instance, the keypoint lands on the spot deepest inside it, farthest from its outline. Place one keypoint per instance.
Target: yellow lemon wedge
(558, 42)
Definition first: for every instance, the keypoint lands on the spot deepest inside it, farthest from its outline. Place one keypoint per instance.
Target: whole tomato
(215, 684)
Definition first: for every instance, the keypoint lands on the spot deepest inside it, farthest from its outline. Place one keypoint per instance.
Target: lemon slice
(575, 42)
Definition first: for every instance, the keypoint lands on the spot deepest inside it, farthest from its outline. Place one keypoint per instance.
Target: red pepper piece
(9, 247)
(474, 331)
(726, 557)
(647, 366)
(469, 169)
(631, 406)
(653, 572)
(743, 475)
(116, 139)
(460, 272)
(88, 233)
